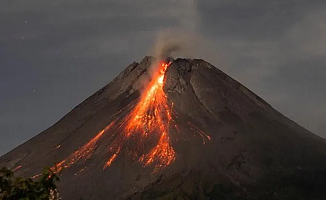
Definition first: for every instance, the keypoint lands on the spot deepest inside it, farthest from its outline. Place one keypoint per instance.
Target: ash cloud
(171, 43)
(185, 43)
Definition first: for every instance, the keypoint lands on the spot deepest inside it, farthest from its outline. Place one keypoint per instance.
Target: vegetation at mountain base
(19, 188)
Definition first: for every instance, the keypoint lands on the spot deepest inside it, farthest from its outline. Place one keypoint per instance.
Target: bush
(13, 188)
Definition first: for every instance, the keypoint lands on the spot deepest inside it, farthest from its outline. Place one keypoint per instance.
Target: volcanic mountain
(176, 129)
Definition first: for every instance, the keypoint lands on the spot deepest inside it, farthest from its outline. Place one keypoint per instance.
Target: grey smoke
(171, 43)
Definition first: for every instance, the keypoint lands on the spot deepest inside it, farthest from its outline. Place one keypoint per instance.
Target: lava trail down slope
(185, 131)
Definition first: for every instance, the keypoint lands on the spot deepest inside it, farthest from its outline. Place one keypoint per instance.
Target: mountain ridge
(248, 149)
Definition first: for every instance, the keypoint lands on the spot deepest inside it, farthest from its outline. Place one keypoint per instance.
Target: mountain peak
(176, 128)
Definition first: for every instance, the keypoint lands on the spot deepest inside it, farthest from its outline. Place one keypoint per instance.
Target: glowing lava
(151, 115)
(83, 152)
(146, 126)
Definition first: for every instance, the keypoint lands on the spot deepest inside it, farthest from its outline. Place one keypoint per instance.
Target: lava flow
(151, 115)
(147, 123)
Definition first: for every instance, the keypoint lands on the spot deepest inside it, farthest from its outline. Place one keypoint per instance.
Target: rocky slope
(253, 151)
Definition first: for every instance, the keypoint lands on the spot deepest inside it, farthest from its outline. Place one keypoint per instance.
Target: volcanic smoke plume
(190, 132)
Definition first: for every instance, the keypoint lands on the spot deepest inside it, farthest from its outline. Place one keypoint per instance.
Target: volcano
(176, 129)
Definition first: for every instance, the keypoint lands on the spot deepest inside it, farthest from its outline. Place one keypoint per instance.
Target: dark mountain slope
(229, 143)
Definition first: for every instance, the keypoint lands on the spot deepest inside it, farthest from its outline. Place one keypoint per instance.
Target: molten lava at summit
(149, 120)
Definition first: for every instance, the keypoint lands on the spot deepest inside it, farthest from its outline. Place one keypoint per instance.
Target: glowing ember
(199, 132)
(80, 171)
(36, 176)
(17, 168)
(148, 122)
(109, 162)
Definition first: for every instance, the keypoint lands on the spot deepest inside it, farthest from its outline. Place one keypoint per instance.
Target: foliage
(17, 188)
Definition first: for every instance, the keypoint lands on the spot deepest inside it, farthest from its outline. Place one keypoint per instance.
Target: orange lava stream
(83, 152)
(147, 126)
(151, 114)
(163, 153)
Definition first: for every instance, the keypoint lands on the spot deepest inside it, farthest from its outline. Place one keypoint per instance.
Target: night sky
(56, 53)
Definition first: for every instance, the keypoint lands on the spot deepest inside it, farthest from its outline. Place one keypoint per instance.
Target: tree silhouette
(18, 188)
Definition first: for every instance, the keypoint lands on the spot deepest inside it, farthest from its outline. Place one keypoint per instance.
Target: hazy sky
(56, 53)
